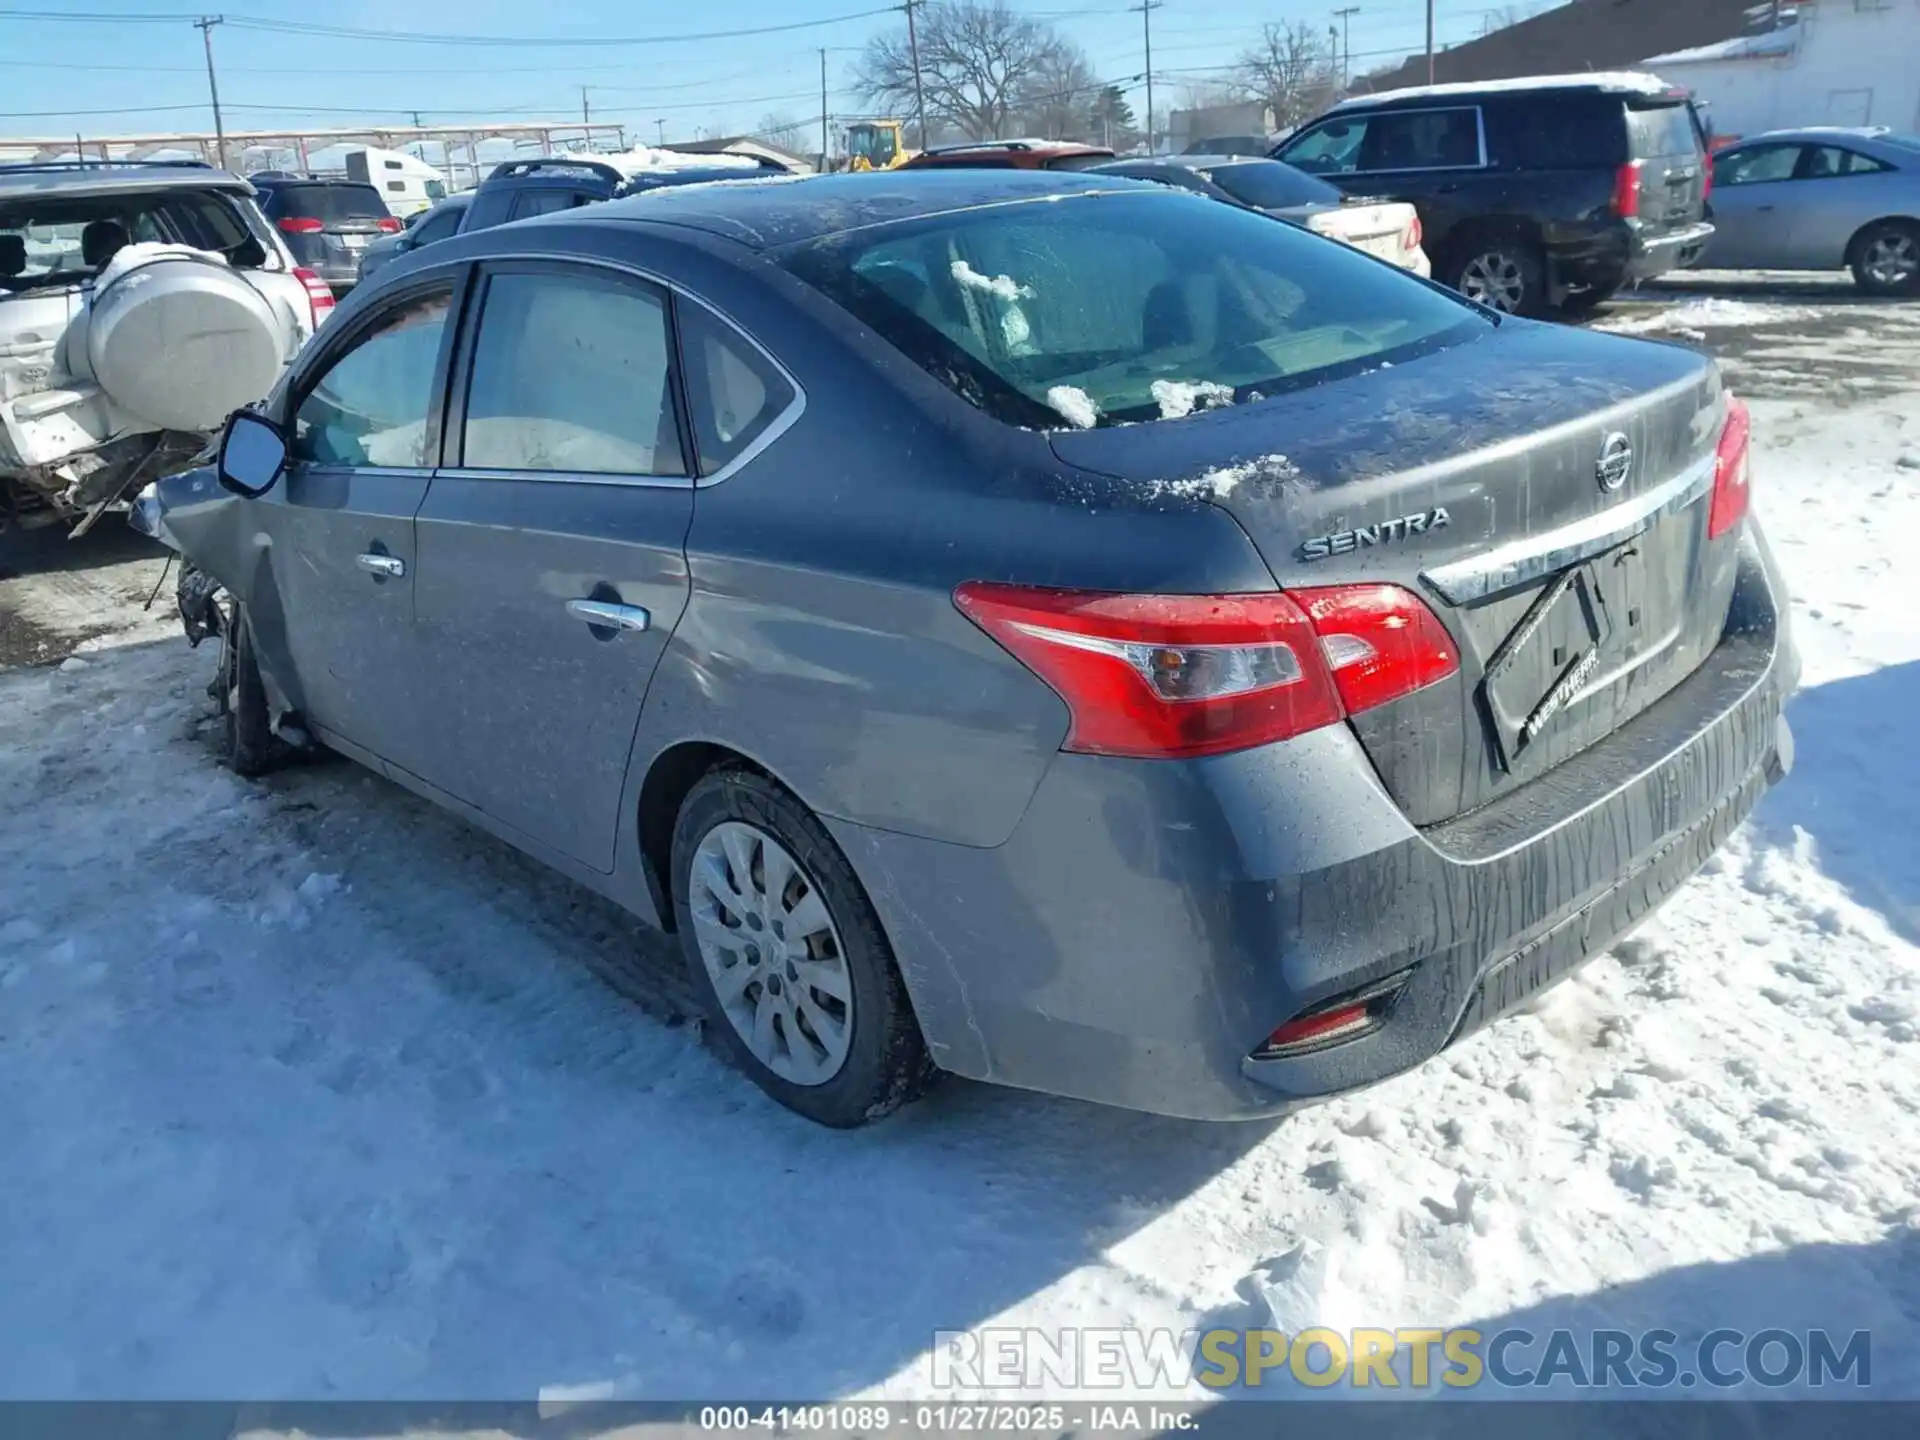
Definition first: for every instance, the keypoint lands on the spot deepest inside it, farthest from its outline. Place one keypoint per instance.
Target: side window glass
(541, 202)
(1757, 166)
(1333, 149)
(735, 391)
(571, 373)
(371, 405)
(1422, 140)
(436, 227)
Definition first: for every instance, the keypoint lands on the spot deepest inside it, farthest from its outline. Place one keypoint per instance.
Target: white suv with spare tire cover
(139, 306)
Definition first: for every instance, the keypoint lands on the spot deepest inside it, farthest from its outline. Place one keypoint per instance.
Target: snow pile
(1218, 484)
(1001, 287)
(1075, 404)
(642, 158)
(1177, 399)
(1710, 313)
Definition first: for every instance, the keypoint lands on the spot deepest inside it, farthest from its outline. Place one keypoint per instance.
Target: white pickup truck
(139, 306)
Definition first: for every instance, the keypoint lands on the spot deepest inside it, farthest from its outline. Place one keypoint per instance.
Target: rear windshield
(1270, 185)
(1120, 307)
(1662, 130)
(1078, 162)
(328, 203)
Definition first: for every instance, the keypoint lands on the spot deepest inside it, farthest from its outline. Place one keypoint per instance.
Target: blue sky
(143, 60)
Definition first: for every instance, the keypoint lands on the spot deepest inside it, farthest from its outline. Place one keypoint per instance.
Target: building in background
(1583, 35)
(1188, 128)
(1830, 62)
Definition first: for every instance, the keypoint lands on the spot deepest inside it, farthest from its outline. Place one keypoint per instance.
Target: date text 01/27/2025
(855, 1418)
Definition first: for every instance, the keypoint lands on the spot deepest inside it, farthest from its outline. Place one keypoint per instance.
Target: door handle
(605, 615)
(382, 566)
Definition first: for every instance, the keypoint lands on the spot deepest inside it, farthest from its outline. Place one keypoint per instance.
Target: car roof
(765, 213)
(1047, 147)
(72, 180)
(1812, 134)
(1615, 82)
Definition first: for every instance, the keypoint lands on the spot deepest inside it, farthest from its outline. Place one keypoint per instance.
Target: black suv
(326, 223)
(1553, 191)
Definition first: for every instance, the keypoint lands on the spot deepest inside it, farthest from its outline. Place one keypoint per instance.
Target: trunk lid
(1665, 139)
(1378, 227)
(1473, 477)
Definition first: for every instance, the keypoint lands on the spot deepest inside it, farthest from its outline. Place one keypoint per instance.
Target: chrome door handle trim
(391, 565)
(606, 615)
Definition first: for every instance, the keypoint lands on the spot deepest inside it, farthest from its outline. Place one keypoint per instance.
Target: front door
(341, 529)
(1752, 208)
(552, 564)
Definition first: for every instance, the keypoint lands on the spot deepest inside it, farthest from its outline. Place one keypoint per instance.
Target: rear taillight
(319, 296)
(1706, 178)
(1411, 241)
(1626, 190)
(1379, 641)
(389, 225)
(1732, 472)
(300, 225)
(1166, 676)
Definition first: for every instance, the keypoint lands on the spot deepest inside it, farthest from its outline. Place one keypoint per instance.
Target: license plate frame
(1523, 690)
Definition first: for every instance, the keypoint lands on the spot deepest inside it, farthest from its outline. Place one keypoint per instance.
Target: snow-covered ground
(312, 1091)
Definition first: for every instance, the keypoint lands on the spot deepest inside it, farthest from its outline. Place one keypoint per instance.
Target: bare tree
(784, 131)
(976, 58)
(1291, 70)
(1057, 97)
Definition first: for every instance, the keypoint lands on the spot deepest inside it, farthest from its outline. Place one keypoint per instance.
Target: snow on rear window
(1146, 305)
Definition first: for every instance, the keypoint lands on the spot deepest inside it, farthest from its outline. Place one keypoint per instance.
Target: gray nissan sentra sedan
(1041, 627)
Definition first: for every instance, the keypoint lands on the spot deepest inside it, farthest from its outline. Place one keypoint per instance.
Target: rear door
(1663, 136)
(364, 430)
(1836, 190)
(552, 548)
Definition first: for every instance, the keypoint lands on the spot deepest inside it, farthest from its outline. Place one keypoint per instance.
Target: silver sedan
(1821, 199)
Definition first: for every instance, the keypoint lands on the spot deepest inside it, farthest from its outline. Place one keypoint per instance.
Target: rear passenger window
(571, 373)
(1827, 162)
(736, 393)
(1564, 132)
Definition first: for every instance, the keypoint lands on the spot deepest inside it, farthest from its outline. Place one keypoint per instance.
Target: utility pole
(661, 125)
(1146, 9)
(823, 109)
(1344, 16)
(1429, 42)
(586, 111)
(919, 91)
(205, 26)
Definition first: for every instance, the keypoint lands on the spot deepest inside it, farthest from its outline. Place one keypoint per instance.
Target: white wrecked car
(139, 306)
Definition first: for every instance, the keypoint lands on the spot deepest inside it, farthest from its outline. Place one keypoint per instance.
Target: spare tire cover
(180, 339)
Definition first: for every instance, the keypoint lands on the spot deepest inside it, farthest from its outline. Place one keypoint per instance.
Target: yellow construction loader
(877, 145)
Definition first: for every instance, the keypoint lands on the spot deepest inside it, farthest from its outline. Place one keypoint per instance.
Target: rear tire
(247, 742)
(1885, 258)
(1501, 269)
(774, 918)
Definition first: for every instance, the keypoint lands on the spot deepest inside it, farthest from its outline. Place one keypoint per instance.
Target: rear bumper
(1622, 254)
(1148, 925)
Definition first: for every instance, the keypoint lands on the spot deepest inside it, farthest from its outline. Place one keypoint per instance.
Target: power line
(417, 37)
(205, 26)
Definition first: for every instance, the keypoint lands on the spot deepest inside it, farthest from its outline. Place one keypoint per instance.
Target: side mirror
(253, 454)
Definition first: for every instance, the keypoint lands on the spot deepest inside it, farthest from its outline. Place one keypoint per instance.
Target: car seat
(101, 241)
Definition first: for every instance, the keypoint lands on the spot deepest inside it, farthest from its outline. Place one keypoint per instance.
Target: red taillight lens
(301, 225)
(1706, 177)
(319, 296)
(1379, 641)
(1415, 234)
(1732, 472)
(389, 225)
(1167, 676)
(1626, 190)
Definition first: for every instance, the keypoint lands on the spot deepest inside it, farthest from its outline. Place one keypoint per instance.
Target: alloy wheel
(1495, 279)
(772, 951)
(1892, 260)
